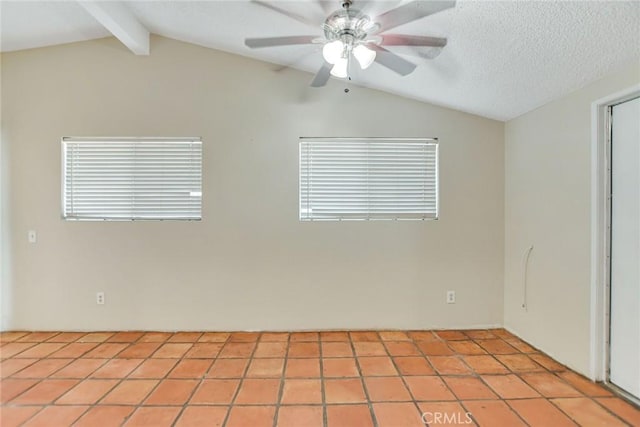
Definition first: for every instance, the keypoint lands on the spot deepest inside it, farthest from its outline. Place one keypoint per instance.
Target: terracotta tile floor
(348, 379)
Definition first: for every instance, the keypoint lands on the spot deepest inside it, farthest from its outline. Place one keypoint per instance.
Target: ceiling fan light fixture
(332, 51)
(364, 55)
(340, 69)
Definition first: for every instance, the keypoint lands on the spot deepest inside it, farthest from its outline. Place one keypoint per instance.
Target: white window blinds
(131, 179)
(353, 178)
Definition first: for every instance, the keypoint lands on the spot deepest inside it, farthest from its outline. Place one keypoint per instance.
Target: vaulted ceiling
(503, 58)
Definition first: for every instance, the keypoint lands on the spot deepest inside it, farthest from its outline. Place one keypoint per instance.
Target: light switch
(32, 236)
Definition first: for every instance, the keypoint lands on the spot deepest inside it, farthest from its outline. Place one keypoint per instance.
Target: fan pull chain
(346, 89)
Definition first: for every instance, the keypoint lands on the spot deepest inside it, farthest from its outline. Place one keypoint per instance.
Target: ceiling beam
(119, 20)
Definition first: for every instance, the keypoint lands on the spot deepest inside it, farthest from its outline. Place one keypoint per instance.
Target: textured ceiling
(503, 58)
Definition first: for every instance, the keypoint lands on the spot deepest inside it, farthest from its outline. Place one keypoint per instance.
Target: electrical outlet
(100, 298)
(451, 297)
(32, 236)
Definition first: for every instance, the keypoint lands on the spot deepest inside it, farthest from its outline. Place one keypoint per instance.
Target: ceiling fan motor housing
(348, 25)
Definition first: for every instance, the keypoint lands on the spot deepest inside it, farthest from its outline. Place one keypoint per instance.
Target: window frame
(429, 140)
(103, 139)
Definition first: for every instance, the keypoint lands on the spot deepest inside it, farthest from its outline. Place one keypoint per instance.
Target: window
(131, 179)
(368, 178)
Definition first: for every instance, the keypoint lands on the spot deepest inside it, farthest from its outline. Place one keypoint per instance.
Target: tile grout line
(242, 378)
(323, 391)
(369, 403)
(282, 380)
(193, 392)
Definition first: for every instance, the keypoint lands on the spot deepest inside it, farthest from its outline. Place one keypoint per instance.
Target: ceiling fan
(349, 33)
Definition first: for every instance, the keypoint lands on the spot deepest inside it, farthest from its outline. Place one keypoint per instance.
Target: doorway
(624, 247)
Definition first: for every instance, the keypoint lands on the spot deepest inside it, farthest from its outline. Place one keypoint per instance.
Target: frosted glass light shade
(364, 55)
(340, 68)
(332, 51)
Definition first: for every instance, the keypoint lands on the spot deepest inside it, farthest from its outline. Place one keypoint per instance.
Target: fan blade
(392, 61)
(278, 41)
(404, 40)
(291, 15)
(411, 12)
(322, 76)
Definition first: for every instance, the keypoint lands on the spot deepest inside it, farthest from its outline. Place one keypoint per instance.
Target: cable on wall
(525, 269)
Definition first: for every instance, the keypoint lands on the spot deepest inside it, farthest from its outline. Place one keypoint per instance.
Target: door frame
(600, 230)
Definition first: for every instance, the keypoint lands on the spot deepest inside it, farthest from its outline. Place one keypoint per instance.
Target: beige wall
(548, 205)
(4, 226)
(250, 264)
